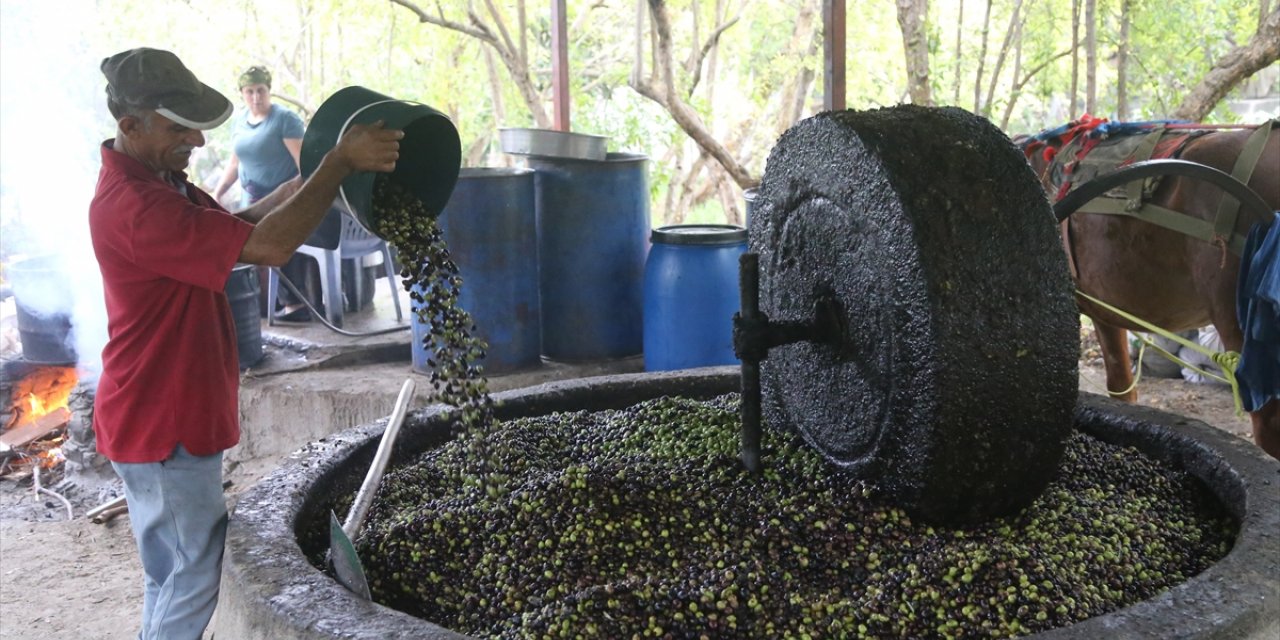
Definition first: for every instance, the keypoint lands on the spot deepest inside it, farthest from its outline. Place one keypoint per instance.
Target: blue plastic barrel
(690, 295)
(593, 227)
(490, 227)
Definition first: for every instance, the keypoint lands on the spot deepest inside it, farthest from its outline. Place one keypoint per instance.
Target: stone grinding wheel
(953, 387)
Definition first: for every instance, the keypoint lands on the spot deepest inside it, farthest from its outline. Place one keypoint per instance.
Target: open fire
(36, 417)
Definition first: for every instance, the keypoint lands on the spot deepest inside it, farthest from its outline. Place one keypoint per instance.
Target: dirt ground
(76, 579)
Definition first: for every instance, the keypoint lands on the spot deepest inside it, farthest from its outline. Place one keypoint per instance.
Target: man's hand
(369, 148)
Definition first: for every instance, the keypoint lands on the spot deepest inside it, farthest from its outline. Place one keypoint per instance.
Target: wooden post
(560, 65)
(833, 35)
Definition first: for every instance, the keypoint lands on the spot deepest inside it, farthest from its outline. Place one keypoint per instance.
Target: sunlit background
(764, 73)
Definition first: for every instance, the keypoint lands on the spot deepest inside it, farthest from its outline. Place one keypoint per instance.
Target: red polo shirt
(169, 369)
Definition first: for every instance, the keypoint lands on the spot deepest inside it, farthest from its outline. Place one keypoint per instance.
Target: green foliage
(316, 47)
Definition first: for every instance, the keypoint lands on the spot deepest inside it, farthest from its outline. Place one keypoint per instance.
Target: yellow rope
(1227, 360)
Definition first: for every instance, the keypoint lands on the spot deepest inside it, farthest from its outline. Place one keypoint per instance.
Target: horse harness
(1072, 167)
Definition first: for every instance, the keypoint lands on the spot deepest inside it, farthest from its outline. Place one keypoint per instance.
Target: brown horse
(1171, 280)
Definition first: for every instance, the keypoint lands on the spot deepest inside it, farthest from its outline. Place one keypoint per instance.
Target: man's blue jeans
(179, 520)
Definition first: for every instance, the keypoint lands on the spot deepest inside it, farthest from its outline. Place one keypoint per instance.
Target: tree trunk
(1075, 60)
(713, 56)
(1122, 63)
(661, 88)
(695, 23)
(1233, 68)
(495, 89)
(804, 37)
(915, 45)
(522, 27)
(1021, 82)
(982, 56)
(729, 203)
(1010, 32)
(804, 80)
(1013, 77)
(1091, 56)
(955, 98)
(496, 36)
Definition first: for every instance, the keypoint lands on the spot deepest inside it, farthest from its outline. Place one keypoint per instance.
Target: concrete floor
(314, 381)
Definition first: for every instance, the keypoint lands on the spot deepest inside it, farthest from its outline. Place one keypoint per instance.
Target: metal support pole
(749, 290)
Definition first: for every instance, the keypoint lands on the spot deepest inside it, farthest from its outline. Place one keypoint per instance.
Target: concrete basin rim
(269, 569)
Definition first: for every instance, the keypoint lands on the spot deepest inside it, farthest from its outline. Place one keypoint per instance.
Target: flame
(53, 457)
(44, 391)
(36, 406)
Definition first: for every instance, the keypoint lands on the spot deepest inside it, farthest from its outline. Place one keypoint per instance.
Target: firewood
(108, 510)
(36, 429)
(110, 514)
(110, 504)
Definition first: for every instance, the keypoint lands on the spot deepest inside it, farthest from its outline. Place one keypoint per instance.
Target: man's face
(257, 97)
(160, 143)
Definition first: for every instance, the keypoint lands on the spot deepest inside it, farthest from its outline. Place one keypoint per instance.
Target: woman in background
(268, 143)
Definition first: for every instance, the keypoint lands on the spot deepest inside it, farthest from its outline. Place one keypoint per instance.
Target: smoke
(52, 120)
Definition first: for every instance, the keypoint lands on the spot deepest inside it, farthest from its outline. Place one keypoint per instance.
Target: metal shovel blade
(342, 552)
(346, 564)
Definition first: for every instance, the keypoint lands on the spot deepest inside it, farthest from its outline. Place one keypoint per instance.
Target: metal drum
(491, 231)
(242, 292)
(42, 295)
(593, 227)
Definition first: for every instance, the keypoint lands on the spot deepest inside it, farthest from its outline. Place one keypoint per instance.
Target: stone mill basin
(271, 590)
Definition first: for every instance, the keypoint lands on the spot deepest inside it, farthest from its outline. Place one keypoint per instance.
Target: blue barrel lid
(699, 234)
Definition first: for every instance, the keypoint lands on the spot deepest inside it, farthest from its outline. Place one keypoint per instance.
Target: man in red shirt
(166, 405)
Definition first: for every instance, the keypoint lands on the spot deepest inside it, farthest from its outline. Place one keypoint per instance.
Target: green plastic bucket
(430, 152)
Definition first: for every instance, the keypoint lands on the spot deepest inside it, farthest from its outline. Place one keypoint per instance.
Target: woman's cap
(255, 75)
(155, 79)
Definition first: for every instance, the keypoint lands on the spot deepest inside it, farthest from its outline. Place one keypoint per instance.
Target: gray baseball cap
(156, 79)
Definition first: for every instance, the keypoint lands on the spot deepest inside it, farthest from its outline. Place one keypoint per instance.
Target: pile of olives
(641, 522)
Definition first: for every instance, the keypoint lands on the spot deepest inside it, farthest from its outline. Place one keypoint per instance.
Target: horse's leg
(1115, 358)
(1266, 428)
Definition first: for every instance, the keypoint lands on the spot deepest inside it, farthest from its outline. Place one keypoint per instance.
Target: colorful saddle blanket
(1084, 149)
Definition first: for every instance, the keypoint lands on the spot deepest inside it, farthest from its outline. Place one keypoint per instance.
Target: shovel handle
(364, 498)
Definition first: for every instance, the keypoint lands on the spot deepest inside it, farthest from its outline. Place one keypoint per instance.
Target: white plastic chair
(354, 243)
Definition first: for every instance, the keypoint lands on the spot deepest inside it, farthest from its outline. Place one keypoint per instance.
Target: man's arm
(285, 227)
(257, 211)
